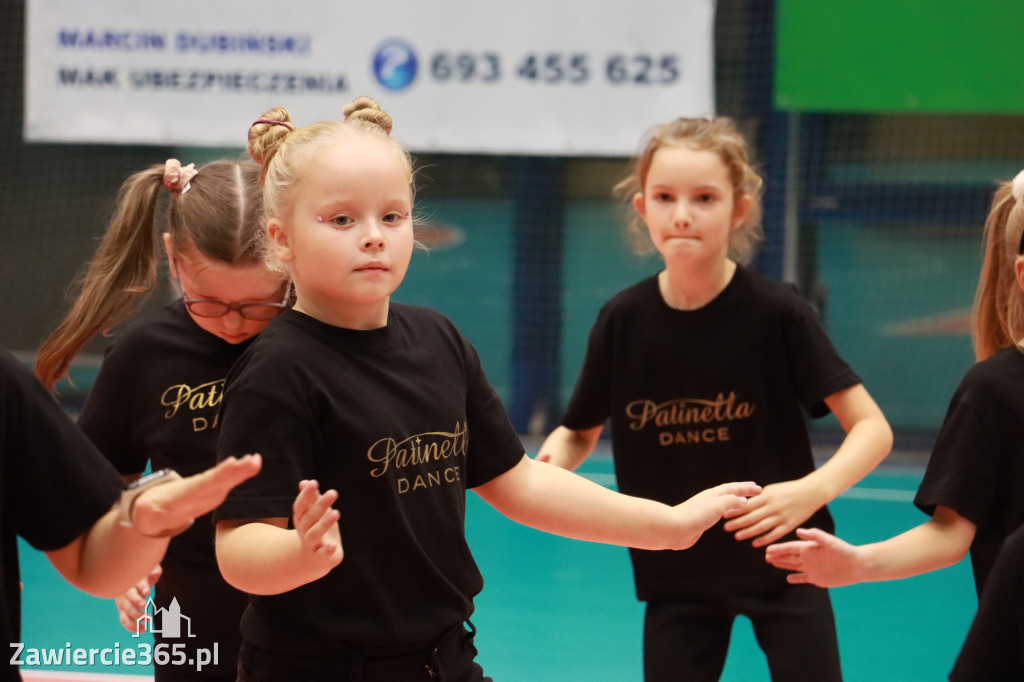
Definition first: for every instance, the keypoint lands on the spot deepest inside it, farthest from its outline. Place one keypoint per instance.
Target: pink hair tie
(178, 178)
(286, 124)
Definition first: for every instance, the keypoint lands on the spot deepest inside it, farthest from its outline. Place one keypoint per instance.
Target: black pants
(688, 640)
(450, 659)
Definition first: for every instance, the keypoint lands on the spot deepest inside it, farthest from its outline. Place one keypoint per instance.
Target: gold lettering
(198, 398)
(420, 449)
(688, 411)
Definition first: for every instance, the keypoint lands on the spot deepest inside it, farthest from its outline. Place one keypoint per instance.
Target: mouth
(372, 267)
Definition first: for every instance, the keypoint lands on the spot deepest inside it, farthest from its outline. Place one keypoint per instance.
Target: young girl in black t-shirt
(386, 408)
(971, 487)
(706, 371)
(156, 397)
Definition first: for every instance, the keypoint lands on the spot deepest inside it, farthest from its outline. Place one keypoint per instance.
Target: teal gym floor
(557, 609)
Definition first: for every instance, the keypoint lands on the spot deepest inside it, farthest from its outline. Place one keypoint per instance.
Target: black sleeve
(56, 483)
(109, 408)
(253, 423)
(994, 647)
(589, 405)
(964, 463)
(494, 446)
(818, 369)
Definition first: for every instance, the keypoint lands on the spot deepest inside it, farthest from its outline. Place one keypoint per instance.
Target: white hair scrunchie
(1018, 187)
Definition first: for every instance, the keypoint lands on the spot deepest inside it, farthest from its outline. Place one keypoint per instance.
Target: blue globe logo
(395, 64)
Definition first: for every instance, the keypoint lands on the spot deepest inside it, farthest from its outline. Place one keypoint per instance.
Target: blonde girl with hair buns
(156, 398)
(707, 371)
(971, 486)
(385, 408)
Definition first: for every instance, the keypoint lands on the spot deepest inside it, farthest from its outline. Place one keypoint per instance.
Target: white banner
(559, 77)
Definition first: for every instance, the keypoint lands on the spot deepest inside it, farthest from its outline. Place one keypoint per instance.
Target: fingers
(742, 489)
(169, 506)
(234, 470)
(132, 604)
(314, 517)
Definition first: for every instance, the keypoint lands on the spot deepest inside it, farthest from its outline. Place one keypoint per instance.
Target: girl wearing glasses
(158, 391)
(971, 487)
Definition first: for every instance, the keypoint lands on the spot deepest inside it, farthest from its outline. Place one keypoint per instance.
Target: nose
(682, 215)
(374, 238)
(233, 320)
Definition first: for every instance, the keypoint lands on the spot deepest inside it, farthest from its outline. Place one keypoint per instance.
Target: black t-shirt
(977, 465)
(994, 648)
(702, 397)
(156, 398)
(55, 484)
(401, 421)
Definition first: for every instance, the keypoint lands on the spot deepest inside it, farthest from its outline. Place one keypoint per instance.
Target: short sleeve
(818, 369)
(964, 463)
(494, 445)
(283, 441)
(109, 406)
(56, 483)
(588, 407)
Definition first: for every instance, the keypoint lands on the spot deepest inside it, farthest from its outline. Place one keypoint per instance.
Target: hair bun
(267, 133)
(366, 109)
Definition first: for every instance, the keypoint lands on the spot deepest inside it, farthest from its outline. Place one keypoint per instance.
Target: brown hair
(218, 215)
(284, 151)
(718, 135)
(998, 316)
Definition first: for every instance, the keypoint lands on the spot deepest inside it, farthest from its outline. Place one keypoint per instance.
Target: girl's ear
(742, 210)
(280, 240)
(639, 206)
(1018, 271)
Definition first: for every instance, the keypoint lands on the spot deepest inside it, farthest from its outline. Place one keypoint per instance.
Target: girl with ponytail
(156, 398)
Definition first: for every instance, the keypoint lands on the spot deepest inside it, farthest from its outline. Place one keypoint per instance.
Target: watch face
(151, 478)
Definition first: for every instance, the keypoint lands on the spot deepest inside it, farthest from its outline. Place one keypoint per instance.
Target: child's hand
(704, 509)
(316, 523)
(132, 604)
(818, 558)
(777, 511)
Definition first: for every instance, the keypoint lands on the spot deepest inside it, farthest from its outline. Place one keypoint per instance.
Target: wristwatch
(135, 488)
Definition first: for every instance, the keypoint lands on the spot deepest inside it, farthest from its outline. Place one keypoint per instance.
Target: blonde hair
(997, 320)
(718, 135)
(283, 152)
(218, 215)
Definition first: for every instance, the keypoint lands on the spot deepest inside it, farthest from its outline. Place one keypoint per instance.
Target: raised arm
(823, 559)
(264, 556)
(551, 499)
(110, 557)
(783, 506)
(567, 448)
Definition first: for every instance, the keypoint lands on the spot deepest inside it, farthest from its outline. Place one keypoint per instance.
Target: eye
(342, 221)
(394, 217)
(662, 197)
(706, 198)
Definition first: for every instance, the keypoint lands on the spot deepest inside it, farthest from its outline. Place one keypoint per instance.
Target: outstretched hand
(818, 558)
(316, 523)
(131, 605)
(166, 507)
(776, 512)
(704, 509)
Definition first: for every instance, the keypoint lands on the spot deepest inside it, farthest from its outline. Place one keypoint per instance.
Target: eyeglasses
(208, 307)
